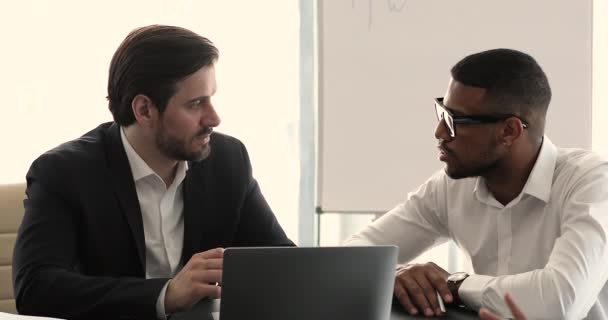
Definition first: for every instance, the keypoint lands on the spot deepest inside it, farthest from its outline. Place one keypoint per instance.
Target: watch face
(458, 276)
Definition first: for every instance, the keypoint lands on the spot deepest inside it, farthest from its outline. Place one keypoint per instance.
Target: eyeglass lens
(442, 114)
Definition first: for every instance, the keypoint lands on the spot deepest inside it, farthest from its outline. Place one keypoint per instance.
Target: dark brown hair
(150, 61)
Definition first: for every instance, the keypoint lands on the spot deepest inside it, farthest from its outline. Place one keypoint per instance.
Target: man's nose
(442, 132)
(211, 118)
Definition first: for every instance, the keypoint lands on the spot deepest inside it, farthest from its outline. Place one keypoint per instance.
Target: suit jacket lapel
(202, 226)
(194, 191)
(124, 187)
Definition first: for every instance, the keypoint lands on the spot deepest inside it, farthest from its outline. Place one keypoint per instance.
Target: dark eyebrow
(452, 112)
(202, 98)
(455, 113)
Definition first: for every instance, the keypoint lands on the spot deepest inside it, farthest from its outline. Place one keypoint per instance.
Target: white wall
(335, 228)
(55, 57)
(600, 76)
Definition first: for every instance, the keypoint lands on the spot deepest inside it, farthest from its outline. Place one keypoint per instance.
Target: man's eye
(196, 104)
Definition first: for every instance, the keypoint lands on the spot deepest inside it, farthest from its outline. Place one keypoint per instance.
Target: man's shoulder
(228, 162)
(227, 153)
(222, 140)
(225, 146)
(85, 150)
(576, 168)
(579, 161)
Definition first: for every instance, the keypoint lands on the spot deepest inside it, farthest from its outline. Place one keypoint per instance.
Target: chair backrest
(11, 214)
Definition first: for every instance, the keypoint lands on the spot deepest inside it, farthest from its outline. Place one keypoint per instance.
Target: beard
(177, 149)
(472, 171)
(488, 161)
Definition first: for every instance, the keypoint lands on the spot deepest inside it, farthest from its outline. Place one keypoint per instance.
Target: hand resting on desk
(416, 286)
(197, 280)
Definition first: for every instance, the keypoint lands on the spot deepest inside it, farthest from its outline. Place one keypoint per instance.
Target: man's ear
(512, 130)
(144, 110)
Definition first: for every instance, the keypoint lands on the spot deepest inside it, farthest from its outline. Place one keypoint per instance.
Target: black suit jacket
(80, 251)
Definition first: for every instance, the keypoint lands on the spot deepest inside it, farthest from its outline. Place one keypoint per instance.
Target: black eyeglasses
(451, 120)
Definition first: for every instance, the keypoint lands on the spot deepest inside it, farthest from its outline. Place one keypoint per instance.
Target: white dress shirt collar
(140, 169)
(539, 181)
(162, 216)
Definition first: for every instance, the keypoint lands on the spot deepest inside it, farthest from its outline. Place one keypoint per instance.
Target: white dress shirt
(547, 247)
(163, 219)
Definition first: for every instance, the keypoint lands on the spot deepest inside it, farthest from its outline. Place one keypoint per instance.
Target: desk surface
(203, 310)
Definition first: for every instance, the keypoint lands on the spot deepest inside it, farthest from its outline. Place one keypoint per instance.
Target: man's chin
(454, 173)
(184, 155)
(203, 154)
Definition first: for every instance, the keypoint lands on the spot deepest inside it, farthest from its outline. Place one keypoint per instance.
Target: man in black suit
(129, 221)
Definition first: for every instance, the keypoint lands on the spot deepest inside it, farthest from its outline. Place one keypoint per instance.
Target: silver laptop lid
(333, 283)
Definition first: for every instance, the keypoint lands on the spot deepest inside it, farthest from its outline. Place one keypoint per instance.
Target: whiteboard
(381, 62)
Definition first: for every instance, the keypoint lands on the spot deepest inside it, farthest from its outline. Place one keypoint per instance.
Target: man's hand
(199, 278)
(515, 311)
(416, 286)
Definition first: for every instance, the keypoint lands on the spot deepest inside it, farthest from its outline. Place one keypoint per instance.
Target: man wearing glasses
(533, 218)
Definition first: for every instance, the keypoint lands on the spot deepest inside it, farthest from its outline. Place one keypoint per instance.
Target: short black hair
(150, 61)
(514, 81)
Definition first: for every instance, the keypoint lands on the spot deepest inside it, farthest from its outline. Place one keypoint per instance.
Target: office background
(381, 62)
(55, 57)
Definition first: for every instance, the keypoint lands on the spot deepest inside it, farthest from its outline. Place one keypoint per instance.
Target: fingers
(415, 296)
(416, 288)
(208, 290)
(404, 298)
(208, 260)
(198, 279)
(438, 281)
(205, 270)
(424, 295)
(207, 276)
(487, 315)
(207, 264)
(517, 314)
(209, 254)
(217, 263)
(439, 270)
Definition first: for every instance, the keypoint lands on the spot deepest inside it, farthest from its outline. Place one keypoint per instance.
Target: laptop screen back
(337, 283)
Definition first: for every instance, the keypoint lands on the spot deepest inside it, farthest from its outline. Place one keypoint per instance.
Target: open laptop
(333, 283)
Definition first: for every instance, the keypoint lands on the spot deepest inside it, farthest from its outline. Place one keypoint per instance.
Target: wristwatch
(454, 281)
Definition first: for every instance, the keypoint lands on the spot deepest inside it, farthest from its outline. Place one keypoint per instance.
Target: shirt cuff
(471, 290)
(160, 303)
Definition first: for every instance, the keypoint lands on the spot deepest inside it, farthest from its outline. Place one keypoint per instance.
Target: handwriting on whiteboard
(392, 6)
